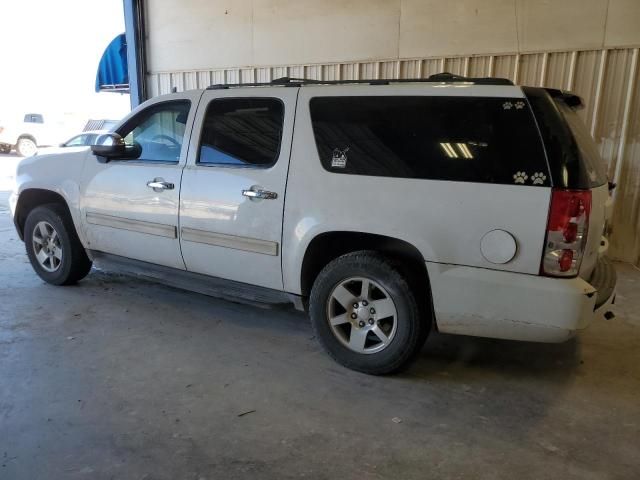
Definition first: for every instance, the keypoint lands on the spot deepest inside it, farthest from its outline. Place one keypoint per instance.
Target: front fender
(57, 173)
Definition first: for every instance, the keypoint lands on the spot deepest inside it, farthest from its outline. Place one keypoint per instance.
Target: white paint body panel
(212, 201)
(491, 303)
(58, 172)
(444, 220)
(119, 189)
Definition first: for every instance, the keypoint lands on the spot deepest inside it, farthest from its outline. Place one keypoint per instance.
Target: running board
(195, 282)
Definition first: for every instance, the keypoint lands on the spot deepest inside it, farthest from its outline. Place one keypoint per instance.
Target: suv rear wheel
(53, 247)
(365, 314)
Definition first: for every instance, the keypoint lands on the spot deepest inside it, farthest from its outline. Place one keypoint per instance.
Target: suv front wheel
(53, 247)
(365, 314)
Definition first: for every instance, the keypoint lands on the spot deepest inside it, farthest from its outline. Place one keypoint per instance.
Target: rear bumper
(496, 304)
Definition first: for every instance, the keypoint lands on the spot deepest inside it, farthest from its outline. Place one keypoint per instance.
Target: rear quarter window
(469, 139)
(574, 161)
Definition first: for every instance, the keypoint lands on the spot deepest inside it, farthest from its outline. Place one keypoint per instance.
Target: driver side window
(159, 131)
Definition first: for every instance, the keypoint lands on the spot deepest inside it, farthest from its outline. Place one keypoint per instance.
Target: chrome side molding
(140, 226)
(246, 244)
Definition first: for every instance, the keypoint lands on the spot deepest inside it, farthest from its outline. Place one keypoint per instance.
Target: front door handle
(258, 193)
(158, 184)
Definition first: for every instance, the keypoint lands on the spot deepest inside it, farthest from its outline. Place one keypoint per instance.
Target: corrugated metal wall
(607, 79)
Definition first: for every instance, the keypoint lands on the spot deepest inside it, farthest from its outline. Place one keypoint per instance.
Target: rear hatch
(574, 163)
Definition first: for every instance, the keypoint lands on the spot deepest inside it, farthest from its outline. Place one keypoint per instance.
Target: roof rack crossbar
(444, 77)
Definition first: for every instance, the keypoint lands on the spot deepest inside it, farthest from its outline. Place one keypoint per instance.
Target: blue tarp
(113, 73)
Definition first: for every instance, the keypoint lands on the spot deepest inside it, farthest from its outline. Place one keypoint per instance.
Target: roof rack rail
(444, 77)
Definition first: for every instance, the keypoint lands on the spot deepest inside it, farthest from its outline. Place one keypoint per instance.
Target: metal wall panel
(607, 79)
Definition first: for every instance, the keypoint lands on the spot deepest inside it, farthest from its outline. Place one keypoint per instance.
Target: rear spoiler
(571, 99)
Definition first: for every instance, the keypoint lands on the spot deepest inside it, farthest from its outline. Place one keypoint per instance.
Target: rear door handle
(159, 184)
(255, 193)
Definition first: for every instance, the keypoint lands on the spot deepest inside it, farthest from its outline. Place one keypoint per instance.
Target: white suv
(385, 208)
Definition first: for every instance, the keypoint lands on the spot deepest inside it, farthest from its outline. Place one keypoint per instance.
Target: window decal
(538, 178)
(520, 177)
(339, 158)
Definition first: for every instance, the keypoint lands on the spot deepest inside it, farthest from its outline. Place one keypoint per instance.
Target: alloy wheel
(46, 246)
(362, 315)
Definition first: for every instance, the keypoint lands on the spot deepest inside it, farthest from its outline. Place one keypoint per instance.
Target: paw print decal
(507, 105)
(520, 177)
(519, 105)
(538, 178)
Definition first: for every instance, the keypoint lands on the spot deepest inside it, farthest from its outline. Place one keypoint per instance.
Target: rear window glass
(596, 172)
(574, 161)
(470, 139)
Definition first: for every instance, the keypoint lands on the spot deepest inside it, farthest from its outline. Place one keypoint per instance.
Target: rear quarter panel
(444, 220)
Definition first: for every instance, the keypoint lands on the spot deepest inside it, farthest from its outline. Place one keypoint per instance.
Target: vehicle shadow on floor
(443, 352)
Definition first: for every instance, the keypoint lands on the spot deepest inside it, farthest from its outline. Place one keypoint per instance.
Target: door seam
(179, 222)
(286, 183)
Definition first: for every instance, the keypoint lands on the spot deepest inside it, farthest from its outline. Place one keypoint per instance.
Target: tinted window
(574, 161)
(473, 139)
(590, 157)
(242, 132)
(159, 130)
(33, 118)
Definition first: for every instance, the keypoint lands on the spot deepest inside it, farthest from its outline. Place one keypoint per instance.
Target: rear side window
(242, 132)
(469, 139)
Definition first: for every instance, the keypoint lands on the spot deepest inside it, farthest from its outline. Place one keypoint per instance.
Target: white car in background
(27, 135)
(84, 139)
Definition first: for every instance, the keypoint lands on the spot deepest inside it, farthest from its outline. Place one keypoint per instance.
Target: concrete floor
(121, 379)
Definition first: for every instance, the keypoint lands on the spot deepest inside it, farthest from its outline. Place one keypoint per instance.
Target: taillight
(566, 232)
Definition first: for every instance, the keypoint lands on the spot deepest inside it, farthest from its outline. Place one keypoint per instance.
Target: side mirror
(111, 146)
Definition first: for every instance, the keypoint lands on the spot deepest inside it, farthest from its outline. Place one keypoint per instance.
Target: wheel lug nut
(354, 316)
(355, 305)
(372, 311)
(365, 303)
(371, 322)
(361, 323)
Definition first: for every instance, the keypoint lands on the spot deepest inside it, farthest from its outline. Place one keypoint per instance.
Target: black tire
(74, 264)
(412, 328)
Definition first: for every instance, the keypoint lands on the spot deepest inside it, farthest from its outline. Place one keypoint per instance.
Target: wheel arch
(28, 136)
(32, 198)
(328, 246)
